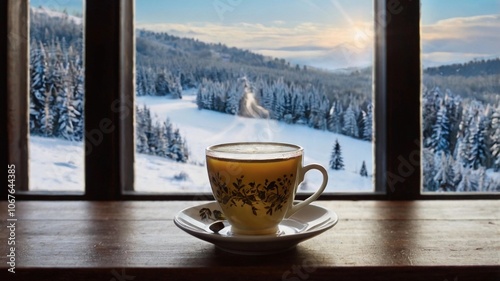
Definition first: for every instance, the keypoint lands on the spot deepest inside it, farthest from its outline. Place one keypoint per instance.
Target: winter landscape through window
(56, 100)
(226, 72)
(269, 71)
(461, 96)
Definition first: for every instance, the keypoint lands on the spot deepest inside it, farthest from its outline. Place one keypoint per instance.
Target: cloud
(461, 39)
(447, 41)
(305, 43)
(300, 48)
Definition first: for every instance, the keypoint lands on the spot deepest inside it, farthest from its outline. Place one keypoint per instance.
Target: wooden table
(137, 240)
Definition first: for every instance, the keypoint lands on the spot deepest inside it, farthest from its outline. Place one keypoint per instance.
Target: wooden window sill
(137, 240)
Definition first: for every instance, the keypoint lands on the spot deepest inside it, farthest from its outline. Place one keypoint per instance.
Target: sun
(360, 36)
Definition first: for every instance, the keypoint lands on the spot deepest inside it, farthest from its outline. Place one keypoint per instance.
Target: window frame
(109, 95)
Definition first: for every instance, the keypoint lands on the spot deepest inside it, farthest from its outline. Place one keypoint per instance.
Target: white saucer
(304, 224)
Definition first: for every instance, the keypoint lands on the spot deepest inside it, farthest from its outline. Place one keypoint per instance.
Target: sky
(326, 33)
(459, 30)
(323, 33)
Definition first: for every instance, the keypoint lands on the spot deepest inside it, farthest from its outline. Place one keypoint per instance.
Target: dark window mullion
(127, 93)
(103, 127)
(4, 139)
(379, 74)
(14, 88)
(403, 82)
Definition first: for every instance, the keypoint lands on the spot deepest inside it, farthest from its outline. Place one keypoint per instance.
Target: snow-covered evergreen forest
(159, 138)
(461, 114)
(57, 86)
(56, 76)
(461, 142)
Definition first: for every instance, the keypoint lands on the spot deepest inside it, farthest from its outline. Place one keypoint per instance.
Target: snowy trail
(58, 165)
(202, 128)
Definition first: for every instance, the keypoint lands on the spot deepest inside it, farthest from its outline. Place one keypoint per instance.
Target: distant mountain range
(467, 69)
(193, 61)
(152, 46)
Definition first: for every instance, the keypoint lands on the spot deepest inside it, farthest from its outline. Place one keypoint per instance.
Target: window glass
(56, 97)
(461, 96)
(210, 72)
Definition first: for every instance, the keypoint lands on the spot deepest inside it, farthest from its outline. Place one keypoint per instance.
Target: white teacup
(255, 183)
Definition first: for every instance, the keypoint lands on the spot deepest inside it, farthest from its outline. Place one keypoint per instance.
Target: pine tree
(468, 182)
(78, 100)
(363, 172)
(462, 147)
(299, 114)
(483, 182)
(161, 142)
(150, 134)
(287, 104)
(315, 105)
(440, 139)
(368, 124)
(185, 151)
(176, 148)
(478, 147)
(141, 143)
(306, 102)
(199, 97)
(49, 117)
(219, 101)
(53, 87)
(69, 103)
(169, 132)
(38, 74)
(336, 160)
(149, 81)
(335, 118)
(495, 138)
(278, 105)
(267, 97)
(66, 115)
(459, 143)
(234, 95)
(457, 172)
(146, 131)
(162, 84)
(323, 113)
(140, 133)
(430, 105)
(140, 82)
(278, 109)
(453, 105)
(176, 88)
(428, 169)
(350, 127)
(208, 96)
(445, 176)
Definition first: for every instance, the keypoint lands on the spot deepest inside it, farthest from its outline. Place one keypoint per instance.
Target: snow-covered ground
(58, 164)
(55, 164)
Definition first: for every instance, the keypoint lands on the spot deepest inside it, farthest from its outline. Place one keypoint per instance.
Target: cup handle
(304, 170)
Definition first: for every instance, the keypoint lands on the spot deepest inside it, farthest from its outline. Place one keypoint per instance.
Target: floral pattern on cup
(273, 194)
(214, 215)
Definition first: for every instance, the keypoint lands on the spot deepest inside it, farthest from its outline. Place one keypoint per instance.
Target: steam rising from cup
(249, 106)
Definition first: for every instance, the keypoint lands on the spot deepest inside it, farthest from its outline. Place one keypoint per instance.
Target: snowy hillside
(51, 169)
(55, 14)
(202, 128)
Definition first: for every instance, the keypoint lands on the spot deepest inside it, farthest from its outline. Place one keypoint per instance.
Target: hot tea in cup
(255, 183)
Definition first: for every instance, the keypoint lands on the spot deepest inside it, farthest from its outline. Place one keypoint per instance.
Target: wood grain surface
(136, 240)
